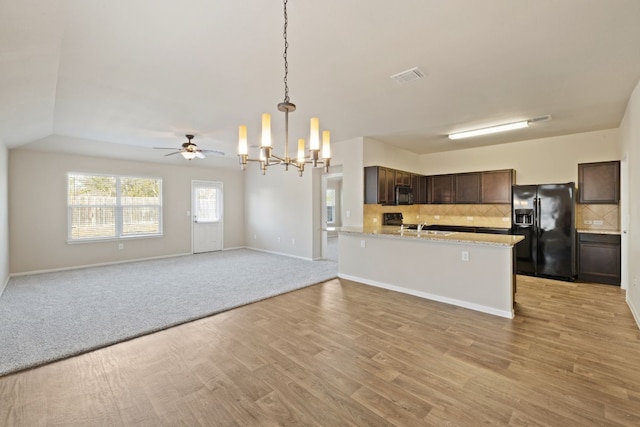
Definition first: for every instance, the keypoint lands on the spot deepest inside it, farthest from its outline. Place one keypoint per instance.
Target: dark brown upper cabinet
(379, 185)
(467, 188)
(403, 178)
(422, 195)
(599, 182)
(495, 186)
(442, 189)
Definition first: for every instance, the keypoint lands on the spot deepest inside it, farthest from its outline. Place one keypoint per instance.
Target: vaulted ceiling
(116, 78)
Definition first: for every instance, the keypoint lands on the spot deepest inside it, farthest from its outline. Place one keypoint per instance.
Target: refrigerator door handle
(537, 213)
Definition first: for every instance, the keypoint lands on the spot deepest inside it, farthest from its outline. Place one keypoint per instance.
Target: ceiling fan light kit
(318, 155)
(190, 150)
(499, 128)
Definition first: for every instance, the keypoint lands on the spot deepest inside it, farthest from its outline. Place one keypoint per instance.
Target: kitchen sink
(426, 232)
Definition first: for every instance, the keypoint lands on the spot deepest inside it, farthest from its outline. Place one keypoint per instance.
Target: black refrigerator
(545, 215)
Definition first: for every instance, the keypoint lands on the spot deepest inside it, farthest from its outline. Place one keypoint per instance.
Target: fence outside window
(104, 206)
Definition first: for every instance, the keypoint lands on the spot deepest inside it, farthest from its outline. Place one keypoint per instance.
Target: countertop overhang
(592, 231)
(394, 232)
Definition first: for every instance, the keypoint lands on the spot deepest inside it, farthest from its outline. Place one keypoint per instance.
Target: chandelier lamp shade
(319, 150)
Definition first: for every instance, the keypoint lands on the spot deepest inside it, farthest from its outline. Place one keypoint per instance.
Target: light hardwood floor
(343, 353)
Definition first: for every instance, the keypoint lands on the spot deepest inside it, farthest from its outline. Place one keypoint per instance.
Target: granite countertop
(582, 230)
(393, 232)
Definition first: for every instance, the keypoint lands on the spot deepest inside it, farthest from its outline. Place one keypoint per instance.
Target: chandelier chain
(284, 55)
(267, 156)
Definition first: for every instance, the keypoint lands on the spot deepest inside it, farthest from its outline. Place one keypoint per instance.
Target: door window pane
(207, 204)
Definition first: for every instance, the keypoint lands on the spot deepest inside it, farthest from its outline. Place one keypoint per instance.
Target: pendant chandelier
(318, 155)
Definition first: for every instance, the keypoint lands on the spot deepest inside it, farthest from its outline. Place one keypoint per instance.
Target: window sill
(114, 239)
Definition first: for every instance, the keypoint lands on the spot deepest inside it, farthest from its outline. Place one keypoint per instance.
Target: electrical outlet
(598, 222)
(436, 217)
(469, 218)
(588, 222)
(635, 281)
(375, 220)
(465, 255)
(278, 239)
(293, 242)
(120, 245)
(505, 219)
(363, 244)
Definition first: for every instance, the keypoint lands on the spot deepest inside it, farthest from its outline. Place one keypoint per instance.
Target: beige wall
(279, 209)
(377, 153)
(539, 161)
(4, 217)
(38, 210)
(630, 136)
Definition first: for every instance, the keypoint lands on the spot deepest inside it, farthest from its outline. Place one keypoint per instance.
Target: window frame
(118, 208)
(332, 206)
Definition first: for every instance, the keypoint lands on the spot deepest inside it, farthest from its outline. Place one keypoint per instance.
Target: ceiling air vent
(408, 76)
(540, 119)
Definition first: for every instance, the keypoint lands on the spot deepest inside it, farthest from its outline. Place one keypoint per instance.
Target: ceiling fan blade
(171, 154)
(163, 148)
(200, 155)
(216, 152)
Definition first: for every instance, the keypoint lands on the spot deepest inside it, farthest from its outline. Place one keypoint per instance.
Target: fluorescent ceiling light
(492, 129)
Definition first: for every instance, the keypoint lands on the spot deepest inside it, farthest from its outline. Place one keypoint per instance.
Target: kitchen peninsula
(470, 270)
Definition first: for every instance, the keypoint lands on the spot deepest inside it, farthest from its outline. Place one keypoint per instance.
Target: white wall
(630, 137)
(38, 210)
(349, 154)
(432, 269)
(538, 161)
(4, 216)
(279, 211)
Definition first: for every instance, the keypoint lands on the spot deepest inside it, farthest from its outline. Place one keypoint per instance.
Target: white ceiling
(118, 77)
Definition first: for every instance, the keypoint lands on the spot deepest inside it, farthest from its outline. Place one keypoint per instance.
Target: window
(107, 206)
(207, 203)
(331, 206)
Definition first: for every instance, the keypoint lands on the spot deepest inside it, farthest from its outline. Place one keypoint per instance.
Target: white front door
(206, 201)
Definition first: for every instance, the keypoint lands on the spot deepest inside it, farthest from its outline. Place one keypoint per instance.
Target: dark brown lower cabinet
(599, 258)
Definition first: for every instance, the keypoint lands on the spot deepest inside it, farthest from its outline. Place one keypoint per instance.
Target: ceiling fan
(190, 150)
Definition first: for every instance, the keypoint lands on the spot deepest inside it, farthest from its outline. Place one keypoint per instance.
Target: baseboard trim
(4, 286)
(279, 253)
(77, 267)
(634, 312)
(433, 297)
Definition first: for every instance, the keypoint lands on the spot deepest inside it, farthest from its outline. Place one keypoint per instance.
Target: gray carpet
(46, 317)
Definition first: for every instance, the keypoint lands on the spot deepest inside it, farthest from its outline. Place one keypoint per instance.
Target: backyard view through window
(109, 206)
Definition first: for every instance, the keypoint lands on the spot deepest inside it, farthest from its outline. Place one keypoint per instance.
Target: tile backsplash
(588, 217)
(498, 216)
(598, 217)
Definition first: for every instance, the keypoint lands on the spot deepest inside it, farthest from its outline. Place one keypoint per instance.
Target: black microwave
(404, 195)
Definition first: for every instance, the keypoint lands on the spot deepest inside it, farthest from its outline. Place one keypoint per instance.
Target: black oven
(404, 195)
